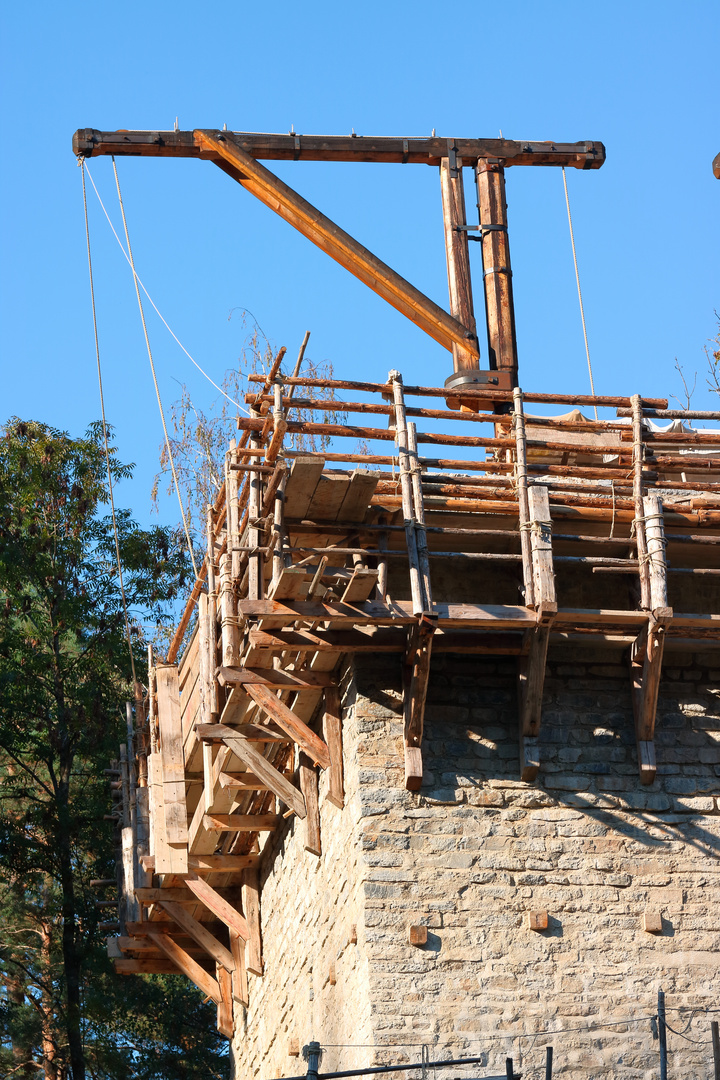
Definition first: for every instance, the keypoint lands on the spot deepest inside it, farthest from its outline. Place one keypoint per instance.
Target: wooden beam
(89, 142)
(174, 807)
(225, 1005)
(219, 906)
(145, 966)
(213, 863)
(187, 965)
(456, 251)
(497, 274)
(309, 788)
(286, 719)
(239, 975)
(532, 665)
(335, 242)
(417, 674)
(332, 732)
(267, 773)
(251, 907)
(177, 893)
(399, 613)
(241, 822)
(275, 679)
(198, 933)
(251, 732)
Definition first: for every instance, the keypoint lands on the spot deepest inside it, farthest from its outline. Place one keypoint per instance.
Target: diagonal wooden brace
(416, 677)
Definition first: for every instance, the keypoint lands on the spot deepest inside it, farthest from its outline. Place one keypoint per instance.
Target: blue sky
(640, 77)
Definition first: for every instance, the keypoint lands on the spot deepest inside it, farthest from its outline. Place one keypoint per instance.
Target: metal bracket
(452, 159)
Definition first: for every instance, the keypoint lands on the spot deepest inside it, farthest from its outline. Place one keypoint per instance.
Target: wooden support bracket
(285, 718)
(187, 965)
(416, 677)
(646, 656)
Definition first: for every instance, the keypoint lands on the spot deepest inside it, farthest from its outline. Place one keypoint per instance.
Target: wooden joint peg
(332, 979)
(537, 920)
(417, 934)
(652, 922)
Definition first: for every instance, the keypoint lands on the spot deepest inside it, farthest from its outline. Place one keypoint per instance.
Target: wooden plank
(198, 933)
(241, 822)
(182, 960)
(301, 484)
(251, 907)
(354, 507)
(216, 903)
(173, 767)
(309, 788)
(360, 586)
(267, 773)
(273, 678)
(291, 724)
(335, 242)
(332, 487)
(332, 733)
(334, 641)
(225, 1005)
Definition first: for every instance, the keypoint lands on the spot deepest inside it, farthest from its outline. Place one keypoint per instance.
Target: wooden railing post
(497, 273)
(522, 485)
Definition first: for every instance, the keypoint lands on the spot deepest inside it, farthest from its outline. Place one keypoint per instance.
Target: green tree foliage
(64, 677)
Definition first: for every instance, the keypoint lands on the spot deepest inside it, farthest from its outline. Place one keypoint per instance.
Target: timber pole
(497, 272)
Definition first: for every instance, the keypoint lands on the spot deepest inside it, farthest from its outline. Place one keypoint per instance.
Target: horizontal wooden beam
(147, 965)
(335, 242)
(217, 732)
(275, 679)
(216, 863)
(240, 822)
(88, 142)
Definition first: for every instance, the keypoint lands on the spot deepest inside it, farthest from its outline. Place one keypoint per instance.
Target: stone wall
(475, 851)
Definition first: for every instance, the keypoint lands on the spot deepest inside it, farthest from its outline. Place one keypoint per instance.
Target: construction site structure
(439, 761)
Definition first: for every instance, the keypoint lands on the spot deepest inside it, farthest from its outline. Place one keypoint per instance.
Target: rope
(577, 279)
(152, 368)
(155, 307)
(104, 427)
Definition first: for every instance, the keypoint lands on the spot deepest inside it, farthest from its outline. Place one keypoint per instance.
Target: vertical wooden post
(251, 911)
(309, 788)
(332, 733)
(522, 485)
(638, 455)
(213, 705)
(419, 507)
(655, 544)
(662, 1035)
(229, 619)
(382, 564)
(255, 565)
(715, 1028)
(279, 557)
(416, 587)
(231, 510)
(239, 975)
(497, 273)
(531, 668)
(458, 262)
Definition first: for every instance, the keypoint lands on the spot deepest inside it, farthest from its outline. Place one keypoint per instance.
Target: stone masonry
(476, 851)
